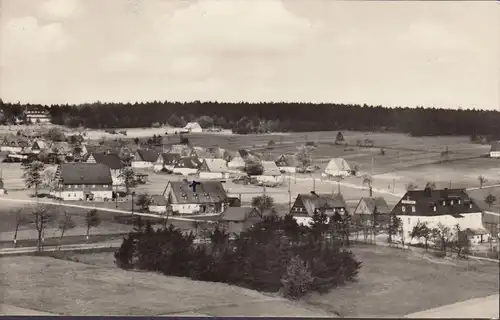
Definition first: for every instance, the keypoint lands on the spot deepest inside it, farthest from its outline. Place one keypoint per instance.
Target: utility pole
(289, 195)
(314, 184)
(393, 185)
(450, 184)
(373, 164)
(116, 196)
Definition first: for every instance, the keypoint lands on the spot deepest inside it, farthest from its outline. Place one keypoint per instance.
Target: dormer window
(459, 201)
(413, 209)
(451, 202)
(444, 202)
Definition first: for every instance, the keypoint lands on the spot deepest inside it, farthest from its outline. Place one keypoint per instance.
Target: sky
(442, 54)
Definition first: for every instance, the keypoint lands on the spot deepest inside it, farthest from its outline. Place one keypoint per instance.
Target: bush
(271, 143)
(298, 280)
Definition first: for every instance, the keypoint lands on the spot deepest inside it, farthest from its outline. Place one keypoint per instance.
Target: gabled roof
(206, 192)
(216, 165)
(147, 155)
(112, 160)
(192, 125)
(36, 109)
(495, 146)
(41, 144)
(85, 173)
(379, 202)
(236, 214)
(187, 162)
(338, 164)
(425, 200)
(170, 158)
(157, 200)
(312, 201)
(285, 161)
(270, 168)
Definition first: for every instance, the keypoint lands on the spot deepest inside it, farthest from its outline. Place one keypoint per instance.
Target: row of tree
(279, 116)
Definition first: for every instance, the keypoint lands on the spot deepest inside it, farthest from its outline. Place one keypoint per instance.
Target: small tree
(481, 180)
(411, 186)
(65, 223)
(442, 235)
(41, 218)
(462, 243)
(92, 219)
(430, 185)
(125, 254)
(340, 138)
(128, 177)
(262, 203)
(303, 157)
(421, 230)
(368, 180)
(490, 200)
(21, 220)
(33, 175)
(297, 280)
(395, 226)
(254, 168)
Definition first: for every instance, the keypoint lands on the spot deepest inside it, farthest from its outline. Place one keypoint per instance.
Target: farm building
(38, 146)
(186, 166)
(270, 174)
(83, 181)
(306, 205)
(366, 207)
(338, 167)
(80, 152)
(144, 159)
(112, 161)
(37, 114)
(201, 153)
(237, 162)
(193, 127)
(446, 206)
(286, 164)
(214, 169)
(208, 197)
(238, 219)
(166, 161)
(495, 150)
(157, 204)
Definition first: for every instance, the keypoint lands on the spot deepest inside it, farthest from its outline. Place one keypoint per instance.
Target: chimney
(313, 193)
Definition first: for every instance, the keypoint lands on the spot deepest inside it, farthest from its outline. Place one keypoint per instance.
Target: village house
(306, 205)
(286, 164)
(201, 153)
(157, 204)
(338, 167)
(83, 181)
(238, 219)
(37, 114)
(495, 150)
(237, 162)
(449, 207)
(144, 159)
(80, 152)
(214, 169)
(193, 127)
(208, 197)
(39, 146)
(186, 166)
(366, 208)
(183, 150)
(166, 161)
(12, 143)
(270, 173)
(112, 161)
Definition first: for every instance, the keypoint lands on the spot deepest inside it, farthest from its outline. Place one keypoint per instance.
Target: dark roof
(495, 147)
(206, 192)
(425, 200)
(85, 173)
(36, 109)
(379, 202)
(158, 200)
(170, 158)
(187, 162)
(236, 214)
(147, 155)
(112, 160)
(312, 201)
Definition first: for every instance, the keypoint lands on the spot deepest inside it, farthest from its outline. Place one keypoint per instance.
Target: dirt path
(486, 307)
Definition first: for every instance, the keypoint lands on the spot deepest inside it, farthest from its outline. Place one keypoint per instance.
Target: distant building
(186, 166)
(144, 159)
(12, 143)
(83, 181)
(166, 161)
(495, 150)
(209, 197)
(286, 165)
(157, 204)
(214, 169)
(37, 114)
(112, 161)
(238, 219)
(193, 127)
(270, 174)
(237, 162)
(306, 204)
(338, 167)
(39, 146)
(367, 207)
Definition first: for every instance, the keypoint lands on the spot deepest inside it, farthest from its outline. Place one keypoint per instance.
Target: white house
(449, 207)
(193, 127)
(286, 165)
(157, 204)
(338, 167)
(206, 197)
(186, 166)
(144, 158)
(38, 146)
(237, 162)
(306, 205)
(495, 150)
(270, 174)
(166, 161)
(83, 181)
(37, 114)
(214, 169)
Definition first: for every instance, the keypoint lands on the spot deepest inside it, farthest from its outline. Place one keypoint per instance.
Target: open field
(64, 287)
(392, 282)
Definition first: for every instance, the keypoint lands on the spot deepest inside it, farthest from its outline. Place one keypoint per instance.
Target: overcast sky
(442, 54)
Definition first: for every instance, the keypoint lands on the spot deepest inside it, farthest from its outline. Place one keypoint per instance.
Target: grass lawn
(395, 283)
(70, 288)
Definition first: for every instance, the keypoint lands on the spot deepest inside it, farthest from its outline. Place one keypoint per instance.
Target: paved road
(67, 247)
(486, 307)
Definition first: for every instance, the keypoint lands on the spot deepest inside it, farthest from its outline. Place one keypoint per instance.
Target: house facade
(193, 127)
(157, 204)
(209, 197)
(338, 167)
(83, 181)
(306, 204)
(144, 159)
(214, 169)
(495, 150)
(39, 146)
(238, 219)
(449, 207)
(37, 114)
(186, 166)
(237, 162)
(166, 161)
(112, 161)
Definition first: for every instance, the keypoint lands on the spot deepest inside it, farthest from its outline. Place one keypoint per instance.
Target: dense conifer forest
(274, 116)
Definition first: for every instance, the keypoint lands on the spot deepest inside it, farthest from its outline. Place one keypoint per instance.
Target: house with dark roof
(271, 174)
(214, 169)
(186, 166)
(166, 161)
(157, 204)
(112, 161)
(83, 181)
(144, 158)
(449, 207)
(495, 150)
(207, 197)
(286, 164)
(36, 114)
(306, 204)
(368, 207)
(238, 219)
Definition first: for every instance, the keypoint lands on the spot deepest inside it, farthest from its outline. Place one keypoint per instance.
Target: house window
(470, 205)
(434, 208)
(451, 202)
(93, 186)
(413, 209)
(403, 208)
(444, 203)
(459, 201)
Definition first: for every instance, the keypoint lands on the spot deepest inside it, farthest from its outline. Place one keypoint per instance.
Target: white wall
(337, 172)
(288, 169)
(213, 175)
(157, 209)
(495, 154)
(271, 179)
(141, 164)
(79, 195)
(10, 149)
(303, 220)
(186, 208)
(185, 171)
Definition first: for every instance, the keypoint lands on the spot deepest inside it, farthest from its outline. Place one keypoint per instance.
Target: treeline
(274, 255)
(262, 117)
